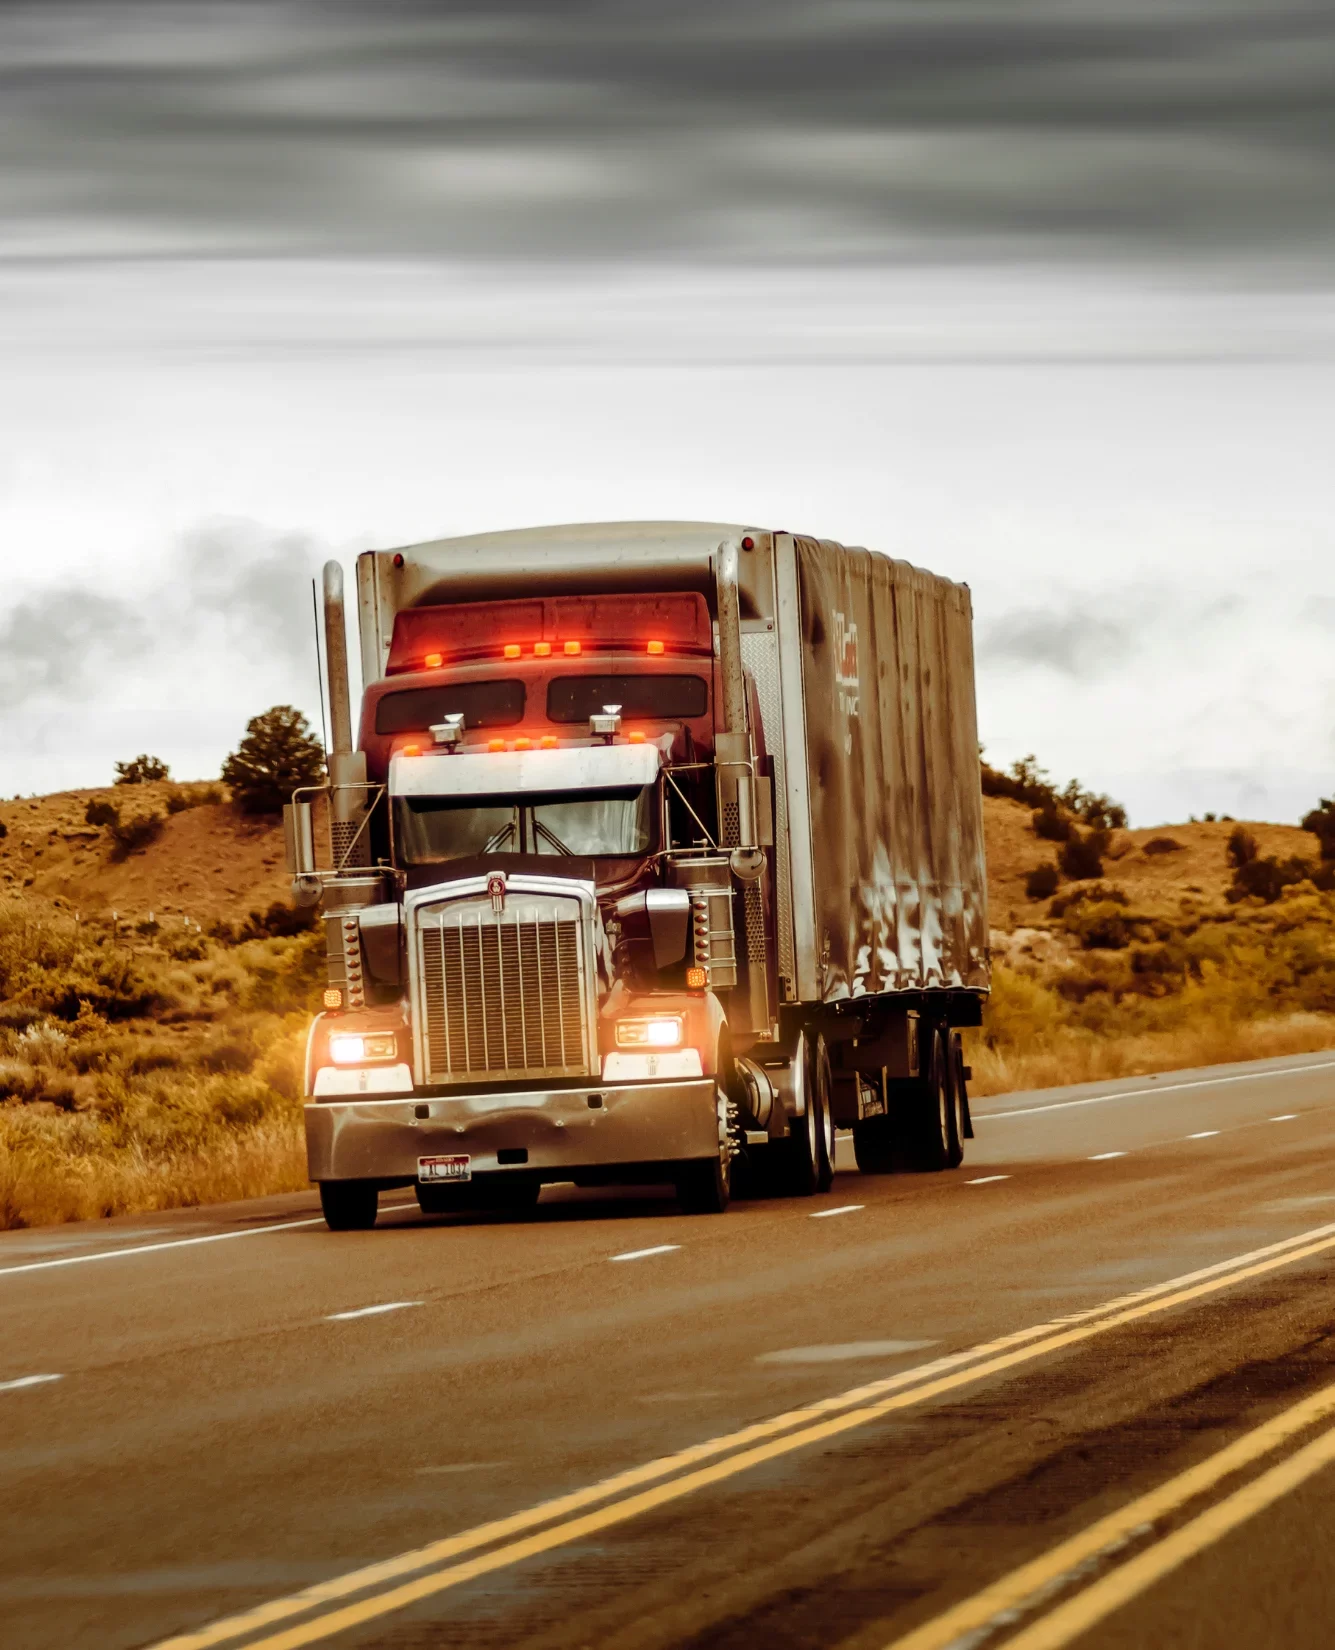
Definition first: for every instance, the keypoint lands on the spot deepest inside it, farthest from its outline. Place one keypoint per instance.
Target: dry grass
(147, 1072)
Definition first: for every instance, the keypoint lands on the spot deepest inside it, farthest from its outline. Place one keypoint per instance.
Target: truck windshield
(589, 824)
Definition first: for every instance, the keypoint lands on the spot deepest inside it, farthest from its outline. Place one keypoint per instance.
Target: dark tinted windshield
(590, 824)
(660, 698)
(482, 705)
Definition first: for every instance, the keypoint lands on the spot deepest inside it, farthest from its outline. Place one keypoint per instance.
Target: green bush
(1321, 822)
(141, 770)
(1042, 881)
(137, 830)
(1082, 856)
(1052, 824)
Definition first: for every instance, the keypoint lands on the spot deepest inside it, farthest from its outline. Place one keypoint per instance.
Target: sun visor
(511, 773)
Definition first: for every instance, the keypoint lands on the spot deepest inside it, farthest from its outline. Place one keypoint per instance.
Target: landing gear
(349, 1205)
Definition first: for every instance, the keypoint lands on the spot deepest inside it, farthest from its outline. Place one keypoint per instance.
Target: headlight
(346, 1050)
(663, 1031)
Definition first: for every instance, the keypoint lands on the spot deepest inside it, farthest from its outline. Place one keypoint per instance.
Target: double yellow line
(394, 1584)
(1005, 1602)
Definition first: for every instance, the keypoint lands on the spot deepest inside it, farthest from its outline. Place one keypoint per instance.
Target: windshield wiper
(539, 829)
(499, 838)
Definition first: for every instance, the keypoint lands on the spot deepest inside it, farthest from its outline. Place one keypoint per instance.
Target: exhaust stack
(347, 767)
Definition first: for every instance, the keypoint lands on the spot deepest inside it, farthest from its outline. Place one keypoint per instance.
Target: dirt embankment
(209, 862)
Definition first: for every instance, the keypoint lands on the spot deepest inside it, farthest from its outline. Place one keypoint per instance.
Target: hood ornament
(496, 888)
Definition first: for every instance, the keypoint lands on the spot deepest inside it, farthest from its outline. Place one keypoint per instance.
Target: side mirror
(666, 915)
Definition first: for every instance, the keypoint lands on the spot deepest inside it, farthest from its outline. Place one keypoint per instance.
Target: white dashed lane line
(1204, 1134)
(28, 1380)
(986, 1180)
(1102, 1157)
(843, 1209)
(643, 1254)
(371, 1311)
(1285, 1117)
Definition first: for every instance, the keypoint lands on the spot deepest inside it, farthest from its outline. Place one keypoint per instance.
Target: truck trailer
(657, 857)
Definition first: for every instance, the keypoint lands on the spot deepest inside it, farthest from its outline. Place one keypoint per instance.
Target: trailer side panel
(899, 888)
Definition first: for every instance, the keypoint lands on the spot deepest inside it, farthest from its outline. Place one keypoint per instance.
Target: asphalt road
(1080, 1391)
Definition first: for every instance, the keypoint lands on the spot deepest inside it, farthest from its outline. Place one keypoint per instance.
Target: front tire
(705, 1187)
(349, 1205)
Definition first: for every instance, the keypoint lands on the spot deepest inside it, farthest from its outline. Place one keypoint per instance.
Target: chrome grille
(503, 995)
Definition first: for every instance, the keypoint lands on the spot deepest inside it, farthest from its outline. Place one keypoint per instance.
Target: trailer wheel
(952, 1063)
(931, 1127)
(349, 1205)
(806, 1165)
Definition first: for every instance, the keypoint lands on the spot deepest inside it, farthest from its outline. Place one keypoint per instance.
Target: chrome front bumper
(562, 1132)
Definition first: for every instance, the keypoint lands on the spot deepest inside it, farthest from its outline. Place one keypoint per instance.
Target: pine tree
(278, 754)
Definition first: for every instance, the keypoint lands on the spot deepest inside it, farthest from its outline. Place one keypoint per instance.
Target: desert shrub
(181, 797)
(1321, 822)
(1042, 881)
(1100, 926)
(279, 921)
(138, 829)
(1107, 893)
(1027, 782)
(1241, 847)
(1082, 856)
(278, 754)
(1051, 823)
(1162, 845)
(101, 812)
(140, 770)
(4, 830)
(1267, 878)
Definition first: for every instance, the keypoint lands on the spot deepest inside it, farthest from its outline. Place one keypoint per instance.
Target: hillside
(210, 863)
(155, 989)
(213, 863)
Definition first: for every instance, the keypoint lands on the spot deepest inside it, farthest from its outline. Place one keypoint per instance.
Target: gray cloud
(1077, 640)
(812, 128)
(54, 643)
(255, 584)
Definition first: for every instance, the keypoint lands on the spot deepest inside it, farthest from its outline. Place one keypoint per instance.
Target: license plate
(444, 1168)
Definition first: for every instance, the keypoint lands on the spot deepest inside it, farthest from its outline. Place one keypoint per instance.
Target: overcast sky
(1035, 294)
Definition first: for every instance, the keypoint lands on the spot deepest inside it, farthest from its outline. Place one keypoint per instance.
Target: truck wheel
(704, 1187)
(822, 1085)
(930, 1121)
(349, 1205)
(952, 1073)
(805, 1169)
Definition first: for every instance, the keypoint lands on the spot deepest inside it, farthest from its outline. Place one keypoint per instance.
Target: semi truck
(656, 857)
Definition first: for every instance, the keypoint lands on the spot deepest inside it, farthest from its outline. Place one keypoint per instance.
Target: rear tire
(876, 1145)
(930, 1112)
(801, 1160)
(822, 1084)
(349, 1205)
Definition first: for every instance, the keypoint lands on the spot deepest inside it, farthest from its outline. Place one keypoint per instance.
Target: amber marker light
(542, 649)
(548, 741)
(522, 744)
(495, 744)
(434, 661)
(636, 738)
(572, 648)
(696, 979)
(410, 750)
(512, 650)
(333, 997)
(655, 647)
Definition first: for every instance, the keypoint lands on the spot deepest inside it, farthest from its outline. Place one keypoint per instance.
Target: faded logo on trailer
(846, 669)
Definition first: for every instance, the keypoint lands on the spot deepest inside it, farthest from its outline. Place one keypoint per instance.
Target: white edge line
(1159, 1088)
(641, 1254)
(370, 1311)
(28, 1380)
(178, 1243)
(986, 1180)
(843, 1209)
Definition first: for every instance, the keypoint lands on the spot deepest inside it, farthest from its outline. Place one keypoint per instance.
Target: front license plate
(444, 1168)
